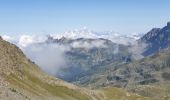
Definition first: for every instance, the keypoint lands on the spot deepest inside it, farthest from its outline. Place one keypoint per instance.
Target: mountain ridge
(156, 39)
(87, 55)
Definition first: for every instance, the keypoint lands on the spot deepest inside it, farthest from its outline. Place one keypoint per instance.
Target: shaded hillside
(152, 70)
(89, 56)
(157, 39)
(146, 76)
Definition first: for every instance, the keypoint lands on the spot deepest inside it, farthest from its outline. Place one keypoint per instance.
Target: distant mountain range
(152, 71)
(26, 40)
(87, 56)
(82, 62)
(86, 51)
(110, 35)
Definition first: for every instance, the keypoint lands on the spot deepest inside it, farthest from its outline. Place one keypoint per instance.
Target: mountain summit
(157, 39)
(168, 24)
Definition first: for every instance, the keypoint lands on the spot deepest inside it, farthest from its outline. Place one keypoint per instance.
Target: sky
(57, 16)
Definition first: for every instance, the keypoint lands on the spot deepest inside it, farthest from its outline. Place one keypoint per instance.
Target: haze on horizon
(54, 16)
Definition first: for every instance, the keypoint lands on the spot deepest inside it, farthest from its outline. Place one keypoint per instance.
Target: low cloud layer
(50, 57)
(88, 45)
(136, 49)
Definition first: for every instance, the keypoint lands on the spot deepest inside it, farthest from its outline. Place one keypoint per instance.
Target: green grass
(113, 93)
(39, 88)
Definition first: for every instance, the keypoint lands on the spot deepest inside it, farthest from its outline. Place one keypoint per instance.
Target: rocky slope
(88, 56)
(145, 76)
(156, 39)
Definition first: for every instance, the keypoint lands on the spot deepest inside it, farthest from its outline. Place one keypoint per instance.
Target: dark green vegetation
(166, 75)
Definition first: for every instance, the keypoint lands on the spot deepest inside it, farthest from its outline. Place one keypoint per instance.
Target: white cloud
(88, 45)
(25, 40)
(83, 33)
(50, 57)
(111, 35)
(137, 49)
(7, 38)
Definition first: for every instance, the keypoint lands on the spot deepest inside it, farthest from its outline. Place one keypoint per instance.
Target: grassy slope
(43, 90)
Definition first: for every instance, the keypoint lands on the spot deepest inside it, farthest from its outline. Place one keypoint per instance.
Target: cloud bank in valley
(51, 57)
(88, 45)
(137, 48)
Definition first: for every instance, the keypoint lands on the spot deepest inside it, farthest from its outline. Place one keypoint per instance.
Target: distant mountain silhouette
(157, 39)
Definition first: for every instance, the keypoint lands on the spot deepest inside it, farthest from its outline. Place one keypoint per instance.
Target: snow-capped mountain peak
(82, 33)
(25, 40)
(110, 35)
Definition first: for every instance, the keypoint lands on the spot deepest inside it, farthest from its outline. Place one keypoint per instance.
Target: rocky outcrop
(156, 39)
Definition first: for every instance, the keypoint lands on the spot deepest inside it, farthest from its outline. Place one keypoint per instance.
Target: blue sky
(57, 16)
